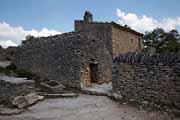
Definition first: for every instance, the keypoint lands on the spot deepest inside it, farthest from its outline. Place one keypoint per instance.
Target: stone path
(98, 89)
(84, 107)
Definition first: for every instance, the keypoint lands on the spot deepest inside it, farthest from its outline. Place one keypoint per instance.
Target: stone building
(118, 39)
(74, 59)
(81, 57)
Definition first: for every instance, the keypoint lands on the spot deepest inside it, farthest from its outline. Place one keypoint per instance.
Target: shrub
(12, 69)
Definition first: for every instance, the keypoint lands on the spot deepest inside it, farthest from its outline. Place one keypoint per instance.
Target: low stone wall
(11, 87)
(155, 78)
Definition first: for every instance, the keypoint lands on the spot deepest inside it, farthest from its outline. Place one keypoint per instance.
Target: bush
(4, 70)
(24, 73)
(12, 69)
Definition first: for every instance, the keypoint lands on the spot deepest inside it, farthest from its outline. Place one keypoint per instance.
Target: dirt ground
(84, 107)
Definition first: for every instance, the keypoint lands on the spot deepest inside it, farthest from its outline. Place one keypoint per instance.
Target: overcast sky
(19, 18)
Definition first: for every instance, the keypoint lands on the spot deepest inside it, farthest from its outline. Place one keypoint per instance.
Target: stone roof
(128, 29)
(114, 24)
(144, 58)
(15, 80)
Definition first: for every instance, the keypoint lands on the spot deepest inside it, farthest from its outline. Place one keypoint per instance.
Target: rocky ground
(85, 107)
(103, 89)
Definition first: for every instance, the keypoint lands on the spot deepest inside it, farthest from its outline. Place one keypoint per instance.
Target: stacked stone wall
(102, 31)
(64, 57)
(155, 78)
(12, 87)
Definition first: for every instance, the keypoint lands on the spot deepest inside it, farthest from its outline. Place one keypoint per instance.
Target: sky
(19, 18)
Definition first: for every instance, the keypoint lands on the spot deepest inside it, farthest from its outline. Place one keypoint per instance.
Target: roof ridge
(115, 25)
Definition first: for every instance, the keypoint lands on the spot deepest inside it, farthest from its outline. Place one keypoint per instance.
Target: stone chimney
(88, 16)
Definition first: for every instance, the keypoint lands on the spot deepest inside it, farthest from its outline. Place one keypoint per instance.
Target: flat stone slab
(98, 89)
(4, 63)
(53, 86)
(15, 80)
(64, 95)
(12, 86)
(97, 93)
(10, 111)
(27, 100)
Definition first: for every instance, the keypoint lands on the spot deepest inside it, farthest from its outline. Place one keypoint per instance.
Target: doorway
(93, 72)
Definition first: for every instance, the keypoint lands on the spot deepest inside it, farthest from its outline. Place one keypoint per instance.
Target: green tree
(162, 41)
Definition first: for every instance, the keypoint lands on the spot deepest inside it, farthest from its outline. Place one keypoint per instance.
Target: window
(139, 42)
(132, 41)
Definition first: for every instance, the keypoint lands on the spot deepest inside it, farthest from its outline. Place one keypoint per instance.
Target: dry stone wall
(148, 77)
(64, 57)
(12, 87)
(102, 31)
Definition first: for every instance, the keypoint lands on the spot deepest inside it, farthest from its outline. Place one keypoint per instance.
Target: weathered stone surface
(52, 86)
(118, 39)
(4, 64)
(20, 102)
(32, 98)
(150, 78)
(115, 96)
(27, 100)
(65, 58)
(143, 58)
(10, 111)
(11, 87)
(64, 95)
(98, 89)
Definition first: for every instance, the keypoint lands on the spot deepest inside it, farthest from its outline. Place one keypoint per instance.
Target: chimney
(88, 16)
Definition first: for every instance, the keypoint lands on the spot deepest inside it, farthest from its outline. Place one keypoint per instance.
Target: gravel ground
(84, 107)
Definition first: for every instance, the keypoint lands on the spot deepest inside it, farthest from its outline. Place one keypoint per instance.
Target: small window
(132, 41)
(139, 41)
